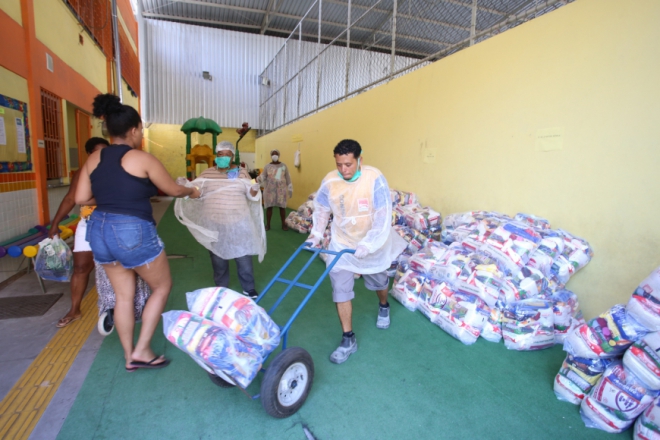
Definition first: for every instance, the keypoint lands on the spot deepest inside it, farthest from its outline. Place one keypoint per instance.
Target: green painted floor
(409, 381)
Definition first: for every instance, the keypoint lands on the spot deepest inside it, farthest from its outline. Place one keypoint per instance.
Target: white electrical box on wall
(49, 63)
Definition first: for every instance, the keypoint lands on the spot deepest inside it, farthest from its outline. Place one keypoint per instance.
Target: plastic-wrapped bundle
(595, 415)
(643, 360)
(512, 244)
(429, 256)
(607, 335)
(212, 345)
(406, 291)
(577, 376)
(54, 260)
(576, 250)
(532, 220)
(458, 234)
(621, 395)
(312, 196)
(647, 426)
(644, 305)
(405, 232)
(565, 307)
(492, 330)
(401, 268)
(306, 209)
(423, 218)
(238, 313)
(395, 196)
(433, 297)
(453, 221)
(434, 233)
(463, 317)
(451, 265)
(561, 270)
(484, 281)
(418, 242)
(528, 325)
(481, 230)
(551, 246)
(530, 282)
(298, 223)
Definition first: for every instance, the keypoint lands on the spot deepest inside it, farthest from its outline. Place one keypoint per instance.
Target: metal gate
(51, 113)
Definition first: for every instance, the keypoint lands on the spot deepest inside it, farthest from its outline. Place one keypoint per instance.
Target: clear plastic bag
(643, 360)
(644, 305)
(528, 325)
(213, 345)
(622, 393)
(606, 336)
(577, 376)
(240, 314)
(647, 426)
(54, 260)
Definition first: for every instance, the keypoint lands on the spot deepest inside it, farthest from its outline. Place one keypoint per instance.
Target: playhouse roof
(201, 125)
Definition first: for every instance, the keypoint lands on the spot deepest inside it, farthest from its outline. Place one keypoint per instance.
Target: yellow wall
(168, 143)
(13, 85)
(58, 29)
(480, 110)
(13, 9)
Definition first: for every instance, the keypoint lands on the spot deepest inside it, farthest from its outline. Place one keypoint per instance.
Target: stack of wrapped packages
(225, 332)
(492, 276)
(612, 369)
(301, 220)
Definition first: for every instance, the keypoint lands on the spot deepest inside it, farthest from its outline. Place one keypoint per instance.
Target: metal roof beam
(264, 23)
(199, 20)
(453, 2)
(343, 40)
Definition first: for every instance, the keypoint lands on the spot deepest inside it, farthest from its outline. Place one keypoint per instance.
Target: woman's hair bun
(105, 104)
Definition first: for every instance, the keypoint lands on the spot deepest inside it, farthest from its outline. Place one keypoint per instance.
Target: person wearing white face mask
(278, 188)
(358, 197)
(228, 218)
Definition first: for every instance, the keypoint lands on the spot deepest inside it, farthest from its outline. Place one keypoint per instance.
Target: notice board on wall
(14, 136)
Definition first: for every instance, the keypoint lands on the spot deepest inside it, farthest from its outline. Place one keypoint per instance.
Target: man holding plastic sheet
(358, 197)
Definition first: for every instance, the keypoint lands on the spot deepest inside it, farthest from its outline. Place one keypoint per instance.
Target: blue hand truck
(289, 377)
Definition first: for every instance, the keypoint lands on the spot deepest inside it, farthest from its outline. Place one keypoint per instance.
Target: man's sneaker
(251, 293)
(347, 347)
(383, 317)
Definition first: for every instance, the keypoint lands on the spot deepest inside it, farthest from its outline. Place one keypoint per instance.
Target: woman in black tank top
(122, 231)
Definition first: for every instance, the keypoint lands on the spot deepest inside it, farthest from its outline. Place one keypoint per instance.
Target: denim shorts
(126, 239)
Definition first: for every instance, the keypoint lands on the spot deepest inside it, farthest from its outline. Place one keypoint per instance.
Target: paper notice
(3, 133)
(548, 139)
(20, 135)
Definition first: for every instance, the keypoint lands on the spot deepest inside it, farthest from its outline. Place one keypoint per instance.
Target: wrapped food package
(528, 325)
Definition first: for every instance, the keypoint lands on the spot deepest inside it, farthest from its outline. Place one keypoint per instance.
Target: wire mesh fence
(342, 48)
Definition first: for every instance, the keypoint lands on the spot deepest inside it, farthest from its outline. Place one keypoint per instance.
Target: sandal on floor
(66, 321)
(268, 228)
(148, 365)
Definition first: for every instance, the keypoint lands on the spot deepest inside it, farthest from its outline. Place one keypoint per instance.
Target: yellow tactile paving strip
(24, 405)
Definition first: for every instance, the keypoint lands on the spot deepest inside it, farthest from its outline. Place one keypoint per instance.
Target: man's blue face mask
(222, 161)
(357, 174)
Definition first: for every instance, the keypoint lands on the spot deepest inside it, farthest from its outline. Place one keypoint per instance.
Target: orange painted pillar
(34, 108)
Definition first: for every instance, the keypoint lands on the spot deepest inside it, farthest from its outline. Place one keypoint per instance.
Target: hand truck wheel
(287, 382)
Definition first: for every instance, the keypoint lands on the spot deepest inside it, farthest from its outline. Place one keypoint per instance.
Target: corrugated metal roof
(423, 26)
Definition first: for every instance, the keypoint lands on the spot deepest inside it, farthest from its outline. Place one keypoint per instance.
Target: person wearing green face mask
(358, 197)
(232, 210)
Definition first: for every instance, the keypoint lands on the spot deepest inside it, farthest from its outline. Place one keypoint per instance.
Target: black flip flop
(150, 364)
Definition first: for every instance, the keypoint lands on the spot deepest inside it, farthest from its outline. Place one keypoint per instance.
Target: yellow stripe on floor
(24, 405)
